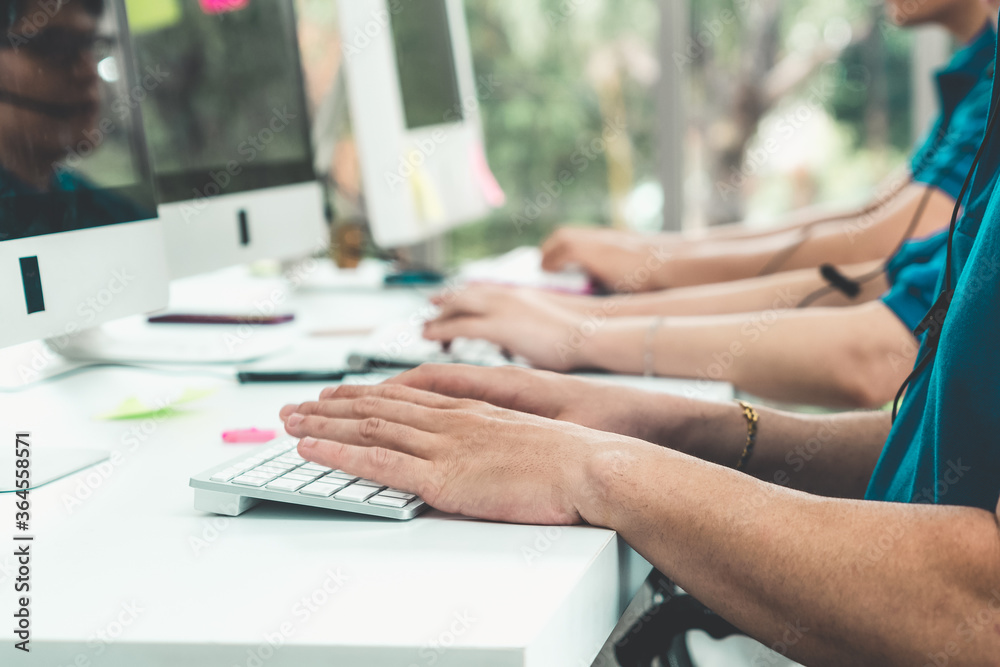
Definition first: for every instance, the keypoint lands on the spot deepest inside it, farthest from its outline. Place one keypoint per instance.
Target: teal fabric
(945, 445)
(964, 91)
(72, 203)
(913, 275)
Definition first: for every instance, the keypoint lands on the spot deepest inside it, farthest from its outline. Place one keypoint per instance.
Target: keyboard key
(244, 480)
(285, 484)
(321, 489)
(356, 494)
(385, 501)
(260, 474)
(340, 474)
(225, 475)
(368, 482)
(304, 476)
(271, 469)
(395, 493)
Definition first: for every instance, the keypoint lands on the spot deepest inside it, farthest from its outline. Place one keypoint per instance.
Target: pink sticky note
(222, 6)
(248, 436)
(492, 191)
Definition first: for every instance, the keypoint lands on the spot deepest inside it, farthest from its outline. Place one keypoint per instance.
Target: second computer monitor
(229, 133)
(414, 104)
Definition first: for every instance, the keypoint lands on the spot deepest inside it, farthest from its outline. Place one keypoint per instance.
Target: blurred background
(666, 113)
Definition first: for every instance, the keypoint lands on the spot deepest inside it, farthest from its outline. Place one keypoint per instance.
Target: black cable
(933, 322)
(785, 254)
(851, 287)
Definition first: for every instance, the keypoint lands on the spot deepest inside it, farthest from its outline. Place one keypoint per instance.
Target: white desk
(123, 554)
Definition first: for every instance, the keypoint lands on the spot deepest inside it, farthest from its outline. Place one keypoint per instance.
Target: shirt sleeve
(914, 275)
(944, 162)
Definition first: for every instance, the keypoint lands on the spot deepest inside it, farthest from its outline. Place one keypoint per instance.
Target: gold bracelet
(648, 357)
(752, 418)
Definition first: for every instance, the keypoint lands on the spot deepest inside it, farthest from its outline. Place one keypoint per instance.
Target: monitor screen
(231, 114)
(71, 147)
(425, 58)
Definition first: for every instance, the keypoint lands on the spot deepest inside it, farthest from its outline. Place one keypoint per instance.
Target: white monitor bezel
(449, 191)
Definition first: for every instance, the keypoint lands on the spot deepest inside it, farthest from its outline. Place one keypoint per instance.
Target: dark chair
(660, 632)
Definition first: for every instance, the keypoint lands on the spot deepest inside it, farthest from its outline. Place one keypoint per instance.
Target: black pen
(248, 377)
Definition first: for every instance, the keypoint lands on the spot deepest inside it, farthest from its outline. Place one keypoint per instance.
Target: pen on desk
(248, 377)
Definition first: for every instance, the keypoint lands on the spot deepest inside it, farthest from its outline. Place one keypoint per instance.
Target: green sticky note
(135, 408)
(192, 395)
(149, 15)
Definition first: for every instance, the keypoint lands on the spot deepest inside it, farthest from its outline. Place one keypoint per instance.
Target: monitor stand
(232, 293)
(135, 340)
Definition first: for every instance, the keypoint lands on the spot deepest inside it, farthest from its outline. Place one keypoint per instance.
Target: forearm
(803, 217)
(838, 582)
(865, 238)
(775, 292)
(836, 357)
(826, 455)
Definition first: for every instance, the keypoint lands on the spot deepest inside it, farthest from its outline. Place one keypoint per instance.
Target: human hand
(520, 320)
(622, 261)
(460, 455)
(599, 405)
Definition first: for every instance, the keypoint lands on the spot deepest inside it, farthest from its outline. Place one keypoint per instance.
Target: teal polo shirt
(964, 89)
(944, 447)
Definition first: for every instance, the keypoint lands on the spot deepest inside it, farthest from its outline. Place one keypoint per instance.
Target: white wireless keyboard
(276, 472)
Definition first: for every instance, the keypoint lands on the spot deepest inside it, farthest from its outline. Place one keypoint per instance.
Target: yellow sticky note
(425, 196)
(149, 15)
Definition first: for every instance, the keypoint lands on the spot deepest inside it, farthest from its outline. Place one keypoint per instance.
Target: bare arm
(775, 292)
(843, 357)
(861, 239)
(835, 582)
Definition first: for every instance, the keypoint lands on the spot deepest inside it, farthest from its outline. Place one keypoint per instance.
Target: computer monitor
(79, 240)
(229, 132)
(415, 116)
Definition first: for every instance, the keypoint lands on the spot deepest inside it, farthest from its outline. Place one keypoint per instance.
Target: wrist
(713, 432)
(600, 494)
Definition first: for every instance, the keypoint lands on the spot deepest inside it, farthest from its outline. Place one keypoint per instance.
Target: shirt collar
(966, 68)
